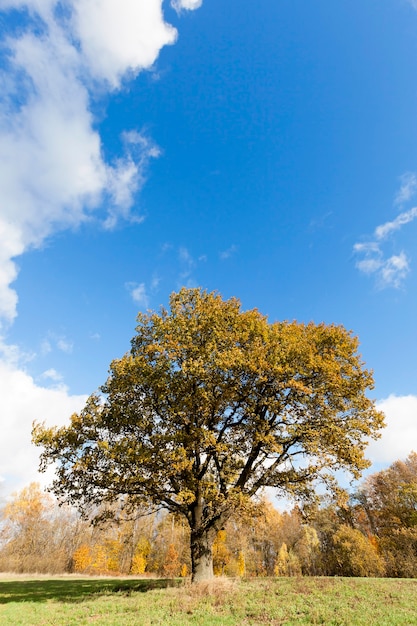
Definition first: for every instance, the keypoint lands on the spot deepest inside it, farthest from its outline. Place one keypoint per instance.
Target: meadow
(73, 601)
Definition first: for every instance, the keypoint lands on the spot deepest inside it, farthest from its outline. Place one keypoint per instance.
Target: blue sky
(265, 150)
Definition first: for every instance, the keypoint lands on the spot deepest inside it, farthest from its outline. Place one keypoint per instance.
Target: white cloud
(65, 345)
(155, 282)
(55, 341)
(185, 257)
(394, 270)
(188, 5)
(226, 254)
(382, 231)
(120, 37)
(399, 437)
(10, 246)
(23, 402)
(369, 265)
(128, 175)
(13, 355)
(53, 174)
(187, 266)
(408, 188)
(52, 374)
(368, 247)
(389, 270)
(138, 293)
(46, 347)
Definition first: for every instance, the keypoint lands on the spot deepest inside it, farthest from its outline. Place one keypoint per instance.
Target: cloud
(65, 345)
(389, 270)
(408, 187)
(187, 266)
(399, 437)
(53, 173)
(138, 294)
(55, 380)
(183, 263)
(23, 402)
(155, 282)
(13, 355)
(185, 257)
(55, 341)
(381, 232)
(119, 38)
(188, 5)
(226, 254)
(52, 374)
(128, 176)
(394, 270)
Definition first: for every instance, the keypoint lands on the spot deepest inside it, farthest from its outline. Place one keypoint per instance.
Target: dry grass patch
(216, 593)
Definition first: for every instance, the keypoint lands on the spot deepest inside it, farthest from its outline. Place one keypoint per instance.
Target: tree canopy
(211, 405)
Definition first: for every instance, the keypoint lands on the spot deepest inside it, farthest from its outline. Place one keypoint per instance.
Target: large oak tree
(211, 405)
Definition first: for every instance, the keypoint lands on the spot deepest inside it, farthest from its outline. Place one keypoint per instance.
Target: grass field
(67, 601)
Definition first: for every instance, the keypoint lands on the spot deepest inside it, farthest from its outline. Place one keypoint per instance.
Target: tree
(36, 535)
(389, 497)
(355, 554)
(389, 500)
(221, 553)
(211, 405)
(287, 564)
(25, 527)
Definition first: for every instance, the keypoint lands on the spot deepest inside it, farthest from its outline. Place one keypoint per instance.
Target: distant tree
(211, 405)
(221, 553)
(82, 559)
(355, 554)
(281, 565)
(389, 501)
(171, 533)
(389, 497)
(172, 565)
(140, 557)
(241, 564)
(36, 535)
(307, 549)
(399, 550)
(26, 525)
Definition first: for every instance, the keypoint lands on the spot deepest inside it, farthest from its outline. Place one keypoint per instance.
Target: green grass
(68, 601)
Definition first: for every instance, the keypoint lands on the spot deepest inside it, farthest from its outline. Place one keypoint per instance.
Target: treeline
(373, 534)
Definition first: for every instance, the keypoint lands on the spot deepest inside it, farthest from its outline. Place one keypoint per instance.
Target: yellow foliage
(241, 565)
(221, 553)
(171, 566)
(211, 405)
(287, 564)
(113, 549)
(99, 563)
(356, 555)
(138, 564)
(82, 558)
(281, 565)
(28, 506)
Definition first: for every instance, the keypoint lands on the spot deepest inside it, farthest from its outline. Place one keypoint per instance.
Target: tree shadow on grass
(75, 590)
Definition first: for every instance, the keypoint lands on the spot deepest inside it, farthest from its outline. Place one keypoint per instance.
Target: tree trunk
(202, 555)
